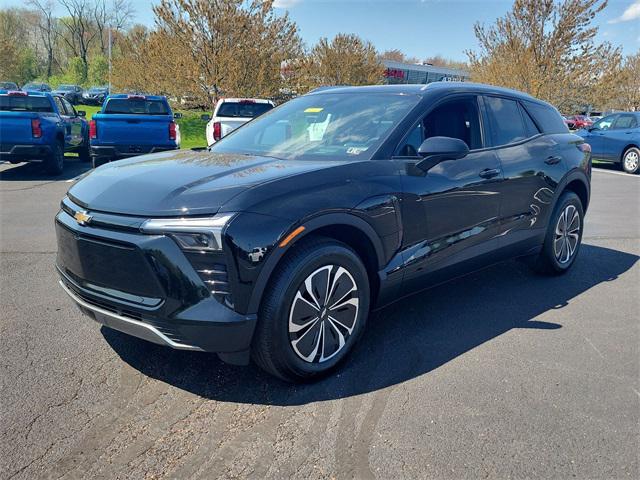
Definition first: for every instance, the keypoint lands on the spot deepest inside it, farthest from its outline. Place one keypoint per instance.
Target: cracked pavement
(498, 374)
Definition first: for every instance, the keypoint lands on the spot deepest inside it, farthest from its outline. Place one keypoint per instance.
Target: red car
(580, 121)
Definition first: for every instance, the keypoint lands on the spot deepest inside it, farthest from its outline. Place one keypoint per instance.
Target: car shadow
(34, 171)
(406, 340)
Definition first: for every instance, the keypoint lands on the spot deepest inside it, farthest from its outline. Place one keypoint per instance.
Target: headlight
(201, 234)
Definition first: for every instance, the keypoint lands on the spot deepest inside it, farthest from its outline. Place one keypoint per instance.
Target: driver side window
(604, 123)
(458, 118)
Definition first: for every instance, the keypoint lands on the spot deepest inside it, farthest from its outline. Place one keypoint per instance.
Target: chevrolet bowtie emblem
(82, 217)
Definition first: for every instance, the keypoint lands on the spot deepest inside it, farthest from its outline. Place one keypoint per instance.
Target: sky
(420, 28)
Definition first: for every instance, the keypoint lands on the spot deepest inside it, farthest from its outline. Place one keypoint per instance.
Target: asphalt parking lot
(498, 374)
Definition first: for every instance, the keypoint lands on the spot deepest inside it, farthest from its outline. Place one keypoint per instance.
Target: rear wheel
(563, 238)
(314, 311)
(83, 153)
(54, 164)
(631, 160)
(98, 161)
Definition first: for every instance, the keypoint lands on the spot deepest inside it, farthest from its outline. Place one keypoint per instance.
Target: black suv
(277, 242)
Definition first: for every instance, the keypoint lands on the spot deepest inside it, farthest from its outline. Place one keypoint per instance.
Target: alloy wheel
(631, 160)
(323, 314)
(567, 234)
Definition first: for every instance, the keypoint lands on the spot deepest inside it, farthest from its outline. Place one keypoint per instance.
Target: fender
(311, 225)
(573, 174)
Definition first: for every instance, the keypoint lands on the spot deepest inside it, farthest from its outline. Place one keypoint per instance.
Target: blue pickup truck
(130, 125)
(41, 127)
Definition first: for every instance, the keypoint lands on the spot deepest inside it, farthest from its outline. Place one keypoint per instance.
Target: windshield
(97, 90)
(331, 126)
(23, 103)
(32, 86)
(136, 106)
(246, 109)
(8, 86)
(65, 88)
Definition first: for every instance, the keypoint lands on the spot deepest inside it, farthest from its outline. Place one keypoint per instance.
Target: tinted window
(69, 108)
(409, 146)
(136, 106)
(60, 106)
(8, 86)
(625, 121)
(507, 125)
(547, 117)
(323, 126)
(529, 126)
(25, 104)
(243, 109)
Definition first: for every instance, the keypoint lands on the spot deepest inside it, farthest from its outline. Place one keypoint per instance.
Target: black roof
(427, 89)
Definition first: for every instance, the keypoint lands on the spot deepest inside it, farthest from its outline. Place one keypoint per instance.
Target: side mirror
(81, 113)
(438, 149)
(177, 115)
(205, 117)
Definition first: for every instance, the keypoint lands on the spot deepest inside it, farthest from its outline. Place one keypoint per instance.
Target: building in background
(397, 72)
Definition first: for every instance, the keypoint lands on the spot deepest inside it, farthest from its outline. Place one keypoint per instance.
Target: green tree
(99, 70)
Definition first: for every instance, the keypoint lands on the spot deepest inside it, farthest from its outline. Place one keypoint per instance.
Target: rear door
(450, 213)
(532, 163)
(620, 136)
(74, 121)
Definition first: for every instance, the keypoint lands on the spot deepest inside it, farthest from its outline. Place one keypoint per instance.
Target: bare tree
(46, 24)
(116, 16)
(80, 28)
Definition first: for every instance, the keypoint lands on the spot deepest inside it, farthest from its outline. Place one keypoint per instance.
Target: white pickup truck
(230, 113)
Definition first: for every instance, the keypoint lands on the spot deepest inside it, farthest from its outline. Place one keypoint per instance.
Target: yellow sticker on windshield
(313, 110)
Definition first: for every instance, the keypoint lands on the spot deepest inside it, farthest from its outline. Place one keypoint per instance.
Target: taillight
(217, 131)
(172, 130)
(93, 130)
(36, 128)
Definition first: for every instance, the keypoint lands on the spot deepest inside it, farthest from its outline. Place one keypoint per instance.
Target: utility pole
(109, 60)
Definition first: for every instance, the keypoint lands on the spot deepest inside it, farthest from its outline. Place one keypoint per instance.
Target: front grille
(212, 270)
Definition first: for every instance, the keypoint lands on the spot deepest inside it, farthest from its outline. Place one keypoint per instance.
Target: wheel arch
(344, 227)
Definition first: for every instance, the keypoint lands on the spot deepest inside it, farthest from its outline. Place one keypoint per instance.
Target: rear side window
(136, 106)
(625, 121)
(547, 118)
(243, 109)
(507, 124)
(9, 103)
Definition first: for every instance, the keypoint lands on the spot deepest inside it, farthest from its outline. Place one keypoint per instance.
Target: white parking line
(603, 170)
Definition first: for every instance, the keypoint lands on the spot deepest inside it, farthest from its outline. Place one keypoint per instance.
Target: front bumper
(24, 153)
(126, 151)
(144, 286)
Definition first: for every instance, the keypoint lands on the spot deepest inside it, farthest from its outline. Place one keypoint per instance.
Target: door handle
(554, 159)
(489, 173)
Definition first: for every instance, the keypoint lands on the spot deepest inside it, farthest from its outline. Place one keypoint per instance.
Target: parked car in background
(568, 121)
(36, 87)
(9, 86)
(276, 242)
(130, 125)
(580, 121)
(73, 93)
(95, 95)
(616, 139)
(40, 127)
(230, 113)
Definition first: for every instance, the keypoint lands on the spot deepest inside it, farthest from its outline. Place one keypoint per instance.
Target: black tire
(98, 161)
(54, 164)
(548, 261)
(83, 152)
(631, 160)
(274, 348)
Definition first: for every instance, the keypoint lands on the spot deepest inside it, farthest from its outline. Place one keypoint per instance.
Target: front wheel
(563, 238)
(631, 160)
(314, 311)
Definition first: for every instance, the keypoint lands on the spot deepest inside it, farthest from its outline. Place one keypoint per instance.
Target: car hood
(180, 182)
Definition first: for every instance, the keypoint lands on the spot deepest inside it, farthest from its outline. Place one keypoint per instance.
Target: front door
(450, 213)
